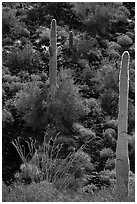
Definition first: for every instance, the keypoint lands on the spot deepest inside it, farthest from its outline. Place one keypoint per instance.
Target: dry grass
(45, 192)
(56, 183)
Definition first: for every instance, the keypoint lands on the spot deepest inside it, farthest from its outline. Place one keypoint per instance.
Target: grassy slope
(45, 192)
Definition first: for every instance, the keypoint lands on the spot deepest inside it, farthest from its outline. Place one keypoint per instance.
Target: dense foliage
(82, 120)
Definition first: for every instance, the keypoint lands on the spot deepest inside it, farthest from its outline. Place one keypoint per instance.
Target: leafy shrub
(29, 103)
(85, 133)
(11, 85)
(109, 102)
(122, 14)
(131, 116)
(131, 35)
(112, 123)
(113, 45)
(25, 59)
(6, 117)
(45, 165)
(113, 54)
(132, 50)
(110, 164)
(99, 18)
(82, 45)
(29, 173)
(109, 139)
(124, 40)
(33, 102)
(94, 105)
(11, 24)
(107, 79)
(68, 105)
(106, 153)
(43, 34)
(8, 19)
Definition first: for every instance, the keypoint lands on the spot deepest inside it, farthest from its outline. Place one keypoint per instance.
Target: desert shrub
(11, 24)
(113, 45)
(95, 15)
(45, 165)
(6, 117)
(122, 14)
(68, 105)
(131, 35)
(109, 102)
(113, 54)
(62, 34)
(83, 132)
(8, 19)
(32, 101)
(10, 84)
(106, 153)
(43, 34)
(29, 173)
(113, 50)
(110, 138)
(124, 40)
(108, 78)
(23, 59)
(99, 21)
(29, 103)
(131, 116)
(112, 123)
(110, 164)
(83, 45)
(94, 105)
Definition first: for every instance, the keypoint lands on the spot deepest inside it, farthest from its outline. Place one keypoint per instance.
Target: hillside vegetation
(65, 149)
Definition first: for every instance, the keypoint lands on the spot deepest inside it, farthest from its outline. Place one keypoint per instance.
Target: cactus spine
(122, 161)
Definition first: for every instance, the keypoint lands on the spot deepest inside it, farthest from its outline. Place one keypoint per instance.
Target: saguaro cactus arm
(122, 161)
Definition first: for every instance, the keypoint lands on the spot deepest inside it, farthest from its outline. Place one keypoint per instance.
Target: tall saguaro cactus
(122, 161)
(71, 41)
(53, 55)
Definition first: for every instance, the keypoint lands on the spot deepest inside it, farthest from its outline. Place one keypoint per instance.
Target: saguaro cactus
(71, 41)
(122, 161)
(53, 55)
(53, 52)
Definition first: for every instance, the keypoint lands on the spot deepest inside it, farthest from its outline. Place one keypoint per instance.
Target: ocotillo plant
(122, 161)
(53, 52)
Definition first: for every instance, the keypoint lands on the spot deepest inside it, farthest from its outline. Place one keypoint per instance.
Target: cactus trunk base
(122, 166)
